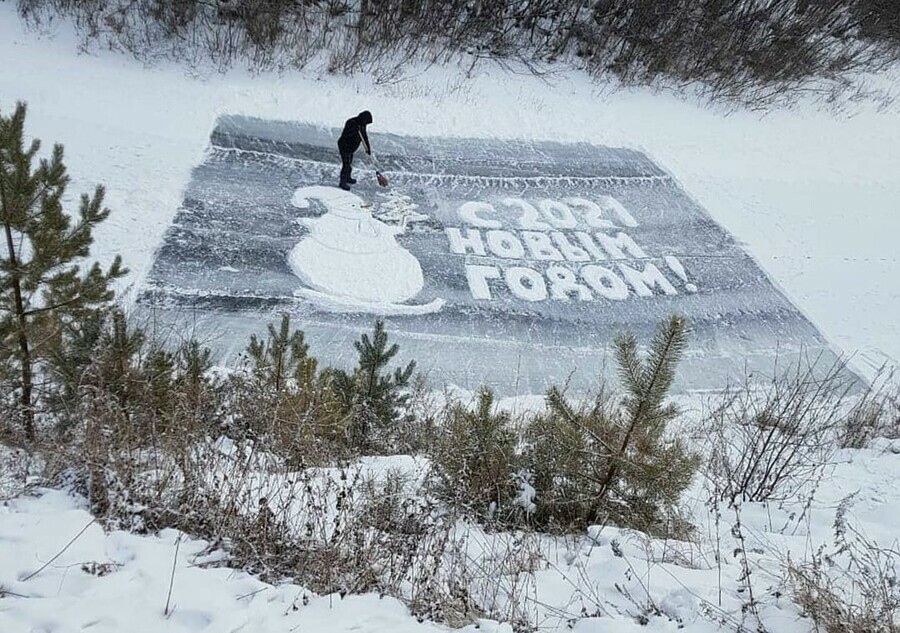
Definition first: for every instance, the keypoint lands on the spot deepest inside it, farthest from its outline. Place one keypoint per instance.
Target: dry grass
(751, 51)
(852, 588)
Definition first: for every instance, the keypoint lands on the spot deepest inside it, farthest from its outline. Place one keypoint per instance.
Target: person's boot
(344, 186)
(352, 181)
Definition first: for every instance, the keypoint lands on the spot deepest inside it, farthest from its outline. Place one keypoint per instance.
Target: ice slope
(525, 259)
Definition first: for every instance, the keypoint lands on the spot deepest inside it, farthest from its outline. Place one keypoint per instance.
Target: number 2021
(549, 214)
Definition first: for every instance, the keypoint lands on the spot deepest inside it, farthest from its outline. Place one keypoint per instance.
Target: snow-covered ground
(61, 572)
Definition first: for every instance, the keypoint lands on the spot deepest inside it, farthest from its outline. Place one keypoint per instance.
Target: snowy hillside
(811, 195)
(62, 572)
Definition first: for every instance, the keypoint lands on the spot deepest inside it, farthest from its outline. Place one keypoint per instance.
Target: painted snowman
(351, 260)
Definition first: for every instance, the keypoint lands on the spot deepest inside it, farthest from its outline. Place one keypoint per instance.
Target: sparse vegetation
(752, 51)
(773, 442)
(851, 588)
(875, 414)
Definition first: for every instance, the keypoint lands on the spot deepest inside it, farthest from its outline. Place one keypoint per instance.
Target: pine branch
(655, 378)
(664, 355)
(629, 365)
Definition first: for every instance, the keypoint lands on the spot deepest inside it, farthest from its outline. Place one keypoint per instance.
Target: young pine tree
(282, 397)
(43, 289)
(370, 395)
(476, 457)
(613, 460)
(285, 355)
(647, 471)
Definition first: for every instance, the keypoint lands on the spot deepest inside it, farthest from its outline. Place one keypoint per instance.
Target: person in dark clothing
(354, 133)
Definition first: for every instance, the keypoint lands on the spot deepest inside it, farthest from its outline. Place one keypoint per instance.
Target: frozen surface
(810, 194)
(510, 263)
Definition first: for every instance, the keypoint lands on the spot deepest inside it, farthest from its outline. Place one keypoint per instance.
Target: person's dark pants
(346, 167)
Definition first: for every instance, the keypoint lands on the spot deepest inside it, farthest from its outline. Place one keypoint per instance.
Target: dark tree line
(749, 50)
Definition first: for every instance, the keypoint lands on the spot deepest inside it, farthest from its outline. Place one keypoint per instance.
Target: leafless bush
(876, 413)
(854, 588)
(773, 442)
(754, 51)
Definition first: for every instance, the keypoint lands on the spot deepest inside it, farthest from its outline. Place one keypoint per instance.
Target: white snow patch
(337, 303)
(114, 582)
(527, 493)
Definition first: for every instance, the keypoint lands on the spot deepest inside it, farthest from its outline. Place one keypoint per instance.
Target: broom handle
(371, 154)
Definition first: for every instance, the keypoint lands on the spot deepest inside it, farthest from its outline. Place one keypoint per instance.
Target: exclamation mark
(678, 269)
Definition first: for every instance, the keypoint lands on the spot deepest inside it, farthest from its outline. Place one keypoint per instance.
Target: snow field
(116, 581)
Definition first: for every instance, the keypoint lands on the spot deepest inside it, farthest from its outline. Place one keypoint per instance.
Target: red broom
(382, 179)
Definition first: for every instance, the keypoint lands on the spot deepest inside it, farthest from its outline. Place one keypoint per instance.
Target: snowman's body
(348, 254)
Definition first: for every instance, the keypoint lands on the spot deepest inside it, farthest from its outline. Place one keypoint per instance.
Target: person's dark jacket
(354, 132)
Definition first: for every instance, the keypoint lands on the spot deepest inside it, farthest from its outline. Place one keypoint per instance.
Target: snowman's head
(334, 199)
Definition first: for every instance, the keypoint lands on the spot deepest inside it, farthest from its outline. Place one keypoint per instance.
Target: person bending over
(354, 133)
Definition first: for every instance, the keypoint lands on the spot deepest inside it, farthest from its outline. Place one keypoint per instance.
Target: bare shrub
(752, 51)
(773, 442)
(854, 588)
(876, 413)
